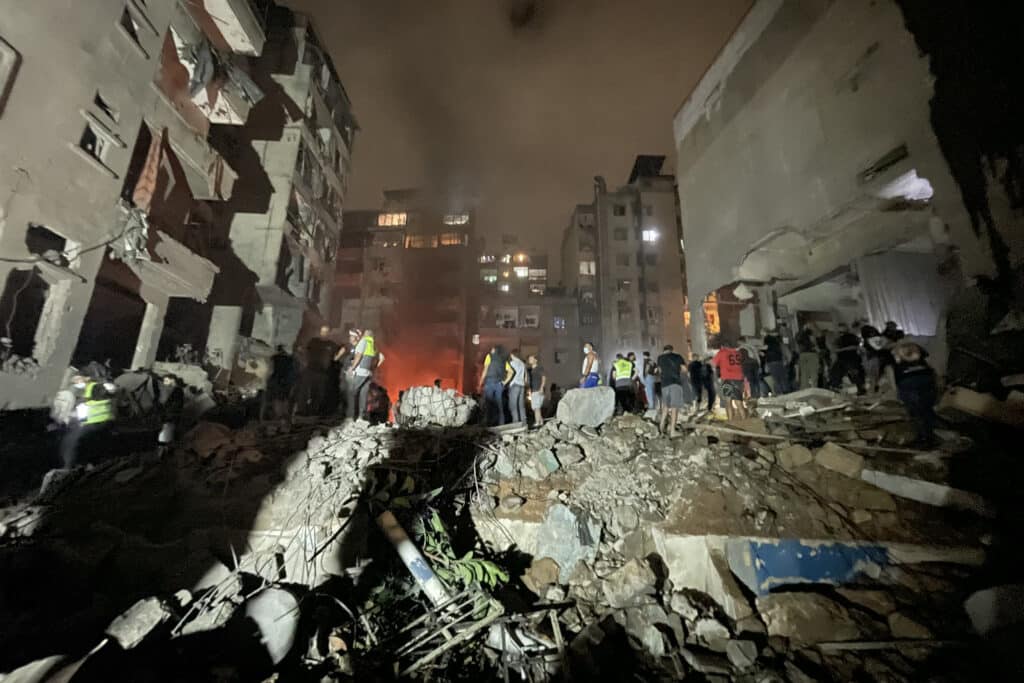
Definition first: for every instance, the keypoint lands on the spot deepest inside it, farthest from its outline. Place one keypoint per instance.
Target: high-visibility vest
(369, 359)
(98, 410)
(623, 369)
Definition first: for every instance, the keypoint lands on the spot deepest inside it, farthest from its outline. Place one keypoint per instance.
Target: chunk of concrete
(877, 601)
(794, 456)
(568, 539)
(693, 563)
(631, 585)
(929, 493)
(540, 465)
(276, 613)
(995, 608)
(905, 628)
(712, 633)
(682, 606)
(742, 654)
(807, 618)
(834, 457)
(706, 662)
(587, 407)
(141, 619)
(543, 572)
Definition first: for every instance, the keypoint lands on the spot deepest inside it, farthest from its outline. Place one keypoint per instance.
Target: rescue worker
(591, 372)
(94, 416)
(496, 374)
(917, 389)
(366, 358)
(623, 375)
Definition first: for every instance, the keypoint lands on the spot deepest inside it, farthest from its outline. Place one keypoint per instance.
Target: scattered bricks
(834, 457)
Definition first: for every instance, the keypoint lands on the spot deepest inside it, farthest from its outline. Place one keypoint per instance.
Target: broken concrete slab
(834, 457)
(742, 654)
(878, 601)
(540, 465)
(139, 621)
(984, 406)
(631, 585)
(587, 407)
(995, 608)
(793, 456)
(708, 663)
(712, 633)
(543, 572)
(276, 613)
(693, 563)
(928, 492)
(568, 539)
(807, 618)
(905, 628)
(764, 565)
(433, 407)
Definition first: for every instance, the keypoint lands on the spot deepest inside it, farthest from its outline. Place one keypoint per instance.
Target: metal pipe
(413, 559)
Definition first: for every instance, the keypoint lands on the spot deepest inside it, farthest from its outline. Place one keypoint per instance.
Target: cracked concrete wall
(807, 95)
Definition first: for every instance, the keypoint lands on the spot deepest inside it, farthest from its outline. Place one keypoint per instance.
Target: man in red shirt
(729, 363)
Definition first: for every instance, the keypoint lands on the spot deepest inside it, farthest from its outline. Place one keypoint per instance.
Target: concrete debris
(928, 492)
(712, 633)
(568, 539)
(132, 627)
(903, 627)
(996, 608)
(542, 574)
(587, 407)
(276, 614)
(631, 585)
(708, 663)
(834, 457)
(742, 654)
(793, 456)
(807, 618)
(433, 407)
(985, 406)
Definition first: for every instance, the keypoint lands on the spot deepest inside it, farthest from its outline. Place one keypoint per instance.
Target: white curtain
(904, 287)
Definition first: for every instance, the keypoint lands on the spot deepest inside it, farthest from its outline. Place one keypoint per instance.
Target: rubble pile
(430, 406)
(745, 551)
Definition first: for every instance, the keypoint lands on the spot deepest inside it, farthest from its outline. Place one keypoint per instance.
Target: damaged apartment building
(181, 179)
(838, 162)
(407, 272)
(621, 256)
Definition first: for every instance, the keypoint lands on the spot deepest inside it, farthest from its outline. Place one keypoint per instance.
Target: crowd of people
(859, 354)
(514, 390)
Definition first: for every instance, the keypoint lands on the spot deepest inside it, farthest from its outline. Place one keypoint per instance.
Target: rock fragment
(834, 457)
(587, 407)
(631, 585)
(807, 618)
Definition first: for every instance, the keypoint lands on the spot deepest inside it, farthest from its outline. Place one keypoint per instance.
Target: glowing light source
(650, 235)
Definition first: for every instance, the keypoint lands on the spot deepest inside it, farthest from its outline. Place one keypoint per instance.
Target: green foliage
(450, 568)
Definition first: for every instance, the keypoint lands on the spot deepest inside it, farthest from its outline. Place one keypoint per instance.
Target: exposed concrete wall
(807, 95)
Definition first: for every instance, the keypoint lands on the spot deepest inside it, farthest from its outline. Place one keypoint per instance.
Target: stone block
(567, 539)
(834, 457)
(794, 456)
(807, 618)
(631, 585)
(995, 608)
(141, 619)
(587, 407)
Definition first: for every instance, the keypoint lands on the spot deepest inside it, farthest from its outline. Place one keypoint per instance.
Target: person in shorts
(670, 368)
(538, 382)
(729, 363)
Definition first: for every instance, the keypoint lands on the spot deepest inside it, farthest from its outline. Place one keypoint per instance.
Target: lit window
(486, 259)
(389, 220)
(490, 278)
(452, 239)
(507, 258)
(522, 271)
(620, 234)
(529, 316)
(505, 274)
(538, 273)
(588, 268)
(650, 235)
(506, 317)
(503, 286)
(420, 242)
(456, 219)
(521, 258)
(559, 322)
(538, 288)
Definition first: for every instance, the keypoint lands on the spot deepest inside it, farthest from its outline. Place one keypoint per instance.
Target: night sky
(515, 104)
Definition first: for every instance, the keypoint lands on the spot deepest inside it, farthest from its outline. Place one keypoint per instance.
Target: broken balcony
(235, 25)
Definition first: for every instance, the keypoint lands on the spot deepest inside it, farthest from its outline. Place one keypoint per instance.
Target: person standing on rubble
(701, 379)
(623, 376)
(808, 361)
(517, 388)
(172, 407)
(591, 372)
(917, 390)
(650, 379)
(93, 419)
(729, 364)
(751, 366)
(775, 363)
(321, 353)
(366, 358)
(538, 381)
(280, 393)
(496, 374)
(848, 363)
(670, 367)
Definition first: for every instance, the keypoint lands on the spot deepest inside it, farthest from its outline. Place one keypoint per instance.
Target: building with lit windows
(622, 257)
(408, 271)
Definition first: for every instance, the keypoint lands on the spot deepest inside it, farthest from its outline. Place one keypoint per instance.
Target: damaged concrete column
(698, 332)
(222, 340)
(152, 328)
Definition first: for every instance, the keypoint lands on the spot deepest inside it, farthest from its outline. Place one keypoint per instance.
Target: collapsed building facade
(821, 179)
(134, 211)
(622, 257)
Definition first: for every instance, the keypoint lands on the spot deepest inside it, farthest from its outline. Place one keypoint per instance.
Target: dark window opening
(105, 107)
(21, 308)
(129, 24)
(619, 210)
(46, 244)
(94, 145)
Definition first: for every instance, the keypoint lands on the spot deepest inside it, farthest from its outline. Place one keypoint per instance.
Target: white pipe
(413, 559)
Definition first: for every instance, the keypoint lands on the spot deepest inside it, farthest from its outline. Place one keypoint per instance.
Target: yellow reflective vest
(98, 410)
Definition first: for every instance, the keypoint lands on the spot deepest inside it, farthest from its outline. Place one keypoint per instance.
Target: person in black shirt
(775, 363)
(670, 365)
(848, 363)
(701, 377)
(808, 362)
(280, 390)
(916, 388)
